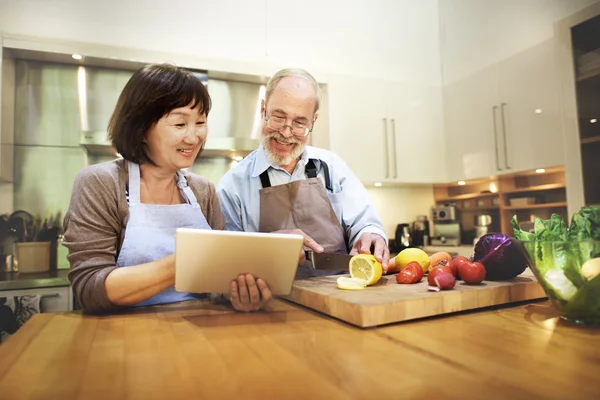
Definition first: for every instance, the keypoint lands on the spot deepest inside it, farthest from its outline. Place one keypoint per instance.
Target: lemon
(413, 254)
(366, 267)
(343, 282)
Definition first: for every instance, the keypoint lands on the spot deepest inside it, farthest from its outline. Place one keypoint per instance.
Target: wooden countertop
(200, 350)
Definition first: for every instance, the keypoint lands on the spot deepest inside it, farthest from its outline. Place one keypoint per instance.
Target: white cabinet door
(472, 127)
(416, 124)
(358, 126)
(55, 299)
(531, 110)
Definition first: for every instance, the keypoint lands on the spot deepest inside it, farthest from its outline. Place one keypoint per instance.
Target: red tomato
(472, 272)
(416, 267)
(437, 270)
(457, 261)
(411, 273)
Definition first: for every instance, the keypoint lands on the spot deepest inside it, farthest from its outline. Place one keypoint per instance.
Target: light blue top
(239, 195)
(151, 228)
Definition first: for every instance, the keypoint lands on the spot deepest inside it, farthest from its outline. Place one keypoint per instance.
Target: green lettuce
(558, 252)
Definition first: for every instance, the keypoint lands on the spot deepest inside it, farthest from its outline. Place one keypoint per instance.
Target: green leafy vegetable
(558, 254)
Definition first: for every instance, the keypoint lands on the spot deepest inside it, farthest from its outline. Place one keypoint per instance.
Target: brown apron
(304, 205)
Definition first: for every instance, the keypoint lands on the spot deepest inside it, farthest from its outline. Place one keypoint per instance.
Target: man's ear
(263, 107)
(315, 117)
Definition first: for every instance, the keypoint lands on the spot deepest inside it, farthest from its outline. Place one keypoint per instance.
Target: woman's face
(175, 140)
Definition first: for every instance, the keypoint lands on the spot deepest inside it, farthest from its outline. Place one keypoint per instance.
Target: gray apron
(150, 233)
(305, 205)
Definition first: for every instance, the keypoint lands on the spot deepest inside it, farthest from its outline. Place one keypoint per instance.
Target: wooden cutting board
(388, 302)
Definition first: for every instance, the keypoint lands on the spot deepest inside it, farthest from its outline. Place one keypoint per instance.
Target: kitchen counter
(201, 350)
(17, 281)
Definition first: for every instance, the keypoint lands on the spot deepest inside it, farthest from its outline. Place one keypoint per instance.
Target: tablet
(206, 261)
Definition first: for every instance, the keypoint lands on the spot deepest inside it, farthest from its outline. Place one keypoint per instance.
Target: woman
(124, 213)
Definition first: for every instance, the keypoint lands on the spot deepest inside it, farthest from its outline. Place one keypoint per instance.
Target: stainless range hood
(87, 93)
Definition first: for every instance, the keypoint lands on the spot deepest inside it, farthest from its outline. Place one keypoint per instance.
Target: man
(286, 185)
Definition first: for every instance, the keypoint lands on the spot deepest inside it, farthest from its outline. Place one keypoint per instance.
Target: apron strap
(187, 191)
(310, 170)
(134, 182)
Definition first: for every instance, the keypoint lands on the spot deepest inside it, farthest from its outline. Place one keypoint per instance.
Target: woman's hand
(248, 294)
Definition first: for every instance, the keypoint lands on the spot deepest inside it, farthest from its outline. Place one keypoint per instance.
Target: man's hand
(309, 244)
(248, 294)
(380, 250)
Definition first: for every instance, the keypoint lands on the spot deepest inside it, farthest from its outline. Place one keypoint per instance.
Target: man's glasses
(278, 123)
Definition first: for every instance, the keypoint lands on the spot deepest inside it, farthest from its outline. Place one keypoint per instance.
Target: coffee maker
(446, 228)
(420, 231)
(403, 239)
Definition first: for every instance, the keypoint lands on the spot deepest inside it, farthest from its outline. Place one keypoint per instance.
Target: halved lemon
(366, 267)
(343, 282)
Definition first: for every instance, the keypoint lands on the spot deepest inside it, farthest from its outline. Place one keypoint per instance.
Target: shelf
(588, 75)
(467, 197)
(492, 208)
(593, 139)
(537, 188)
(536, 206)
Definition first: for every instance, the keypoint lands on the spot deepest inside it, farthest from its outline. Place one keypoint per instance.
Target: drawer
(54, 299)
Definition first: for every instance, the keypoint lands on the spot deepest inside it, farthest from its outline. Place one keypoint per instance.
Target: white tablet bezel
(206, 261)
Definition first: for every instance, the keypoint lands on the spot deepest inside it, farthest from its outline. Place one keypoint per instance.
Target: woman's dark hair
(151, 92)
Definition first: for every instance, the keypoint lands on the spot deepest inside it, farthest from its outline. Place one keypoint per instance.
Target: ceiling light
(77, 56)
(378, 184)
(540, 170)
(538, 111)
(593, 121)
(462, 183)
(238, 158)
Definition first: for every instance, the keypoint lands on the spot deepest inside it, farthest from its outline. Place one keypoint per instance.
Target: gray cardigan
(96, 221)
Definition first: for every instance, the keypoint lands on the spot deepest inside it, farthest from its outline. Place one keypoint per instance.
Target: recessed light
(538, 110)
(593, 121)
(77, 56)
(378, 184)
(462, 183)
(540, 170)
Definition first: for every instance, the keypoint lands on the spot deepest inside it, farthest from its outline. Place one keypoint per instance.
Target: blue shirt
(239, 195)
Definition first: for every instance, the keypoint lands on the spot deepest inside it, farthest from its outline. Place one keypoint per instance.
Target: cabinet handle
(394, 147)
(385, 149)
(504, 135)
(494, 108)
(43, 296)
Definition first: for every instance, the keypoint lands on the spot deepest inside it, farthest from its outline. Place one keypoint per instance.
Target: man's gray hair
(296, 73)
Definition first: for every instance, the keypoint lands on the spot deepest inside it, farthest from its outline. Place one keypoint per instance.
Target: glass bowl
(569, 272)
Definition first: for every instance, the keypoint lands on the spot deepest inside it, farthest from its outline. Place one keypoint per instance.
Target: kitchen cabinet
(52, 299)
(497, 119)
(359, 126)
(387, 131)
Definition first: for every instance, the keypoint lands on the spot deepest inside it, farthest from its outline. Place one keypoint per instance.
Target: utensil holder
(33, 256)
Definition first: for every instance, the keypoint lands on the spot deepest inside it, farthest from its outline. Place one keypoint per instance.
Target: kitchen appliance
(403, 238)
(447, 230)
(482, 226)
(445, 213)
(420, 231)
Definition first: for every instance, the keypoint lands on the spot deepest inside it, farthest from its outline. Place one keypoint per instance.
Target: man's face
(293, 99)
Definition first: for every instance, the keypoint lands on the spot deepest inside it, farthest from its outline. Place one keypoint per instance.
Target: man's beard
(298, 149)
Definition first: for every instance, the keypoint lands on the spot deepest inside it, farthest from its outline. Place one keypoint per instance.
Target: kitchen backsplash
(401, 204)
